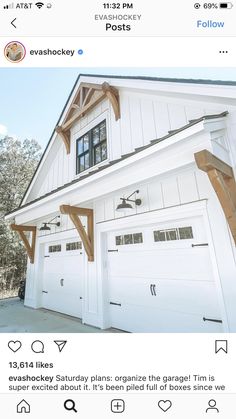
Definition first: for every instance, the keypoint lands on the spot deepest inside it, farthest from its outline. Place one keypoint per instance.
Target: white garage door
(160, 279)
(63, 275)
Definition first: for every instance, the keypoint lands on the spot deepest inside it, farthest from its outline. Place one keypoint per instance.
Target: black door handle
(199, 245)
(212, 320)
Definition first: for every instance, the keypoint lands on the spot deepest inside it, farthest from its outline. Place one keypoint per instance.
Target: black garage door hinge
(112, 250)
(115, 304)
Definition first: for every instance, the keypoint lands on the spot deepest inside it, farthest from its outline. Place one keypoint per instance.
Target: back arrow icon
(12, 22)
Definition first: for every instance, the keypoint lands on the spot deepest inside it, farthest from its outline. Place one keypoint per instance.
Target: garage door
(160, 279)
(63, 275)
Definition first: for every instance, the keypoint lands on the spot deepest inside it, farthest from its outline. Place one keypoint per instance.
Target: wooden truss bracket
(87, 238)
(21, 229)
(65, 136)
(222, 179)
(88, 96)
(113, 95)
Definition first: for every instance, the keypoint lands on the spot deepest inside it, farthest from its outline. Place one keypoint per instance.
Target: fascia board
(213, 90)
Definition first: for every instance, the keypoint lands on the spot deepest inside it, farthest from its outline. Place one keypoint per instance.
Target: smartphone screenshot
(117, 209)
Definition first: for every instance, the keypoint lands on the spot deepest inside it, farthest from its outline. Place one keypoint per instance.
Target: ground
(16, 318)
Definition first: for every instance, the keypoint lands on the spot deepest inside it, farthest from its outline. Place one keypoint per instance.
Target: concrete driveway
(16, 318)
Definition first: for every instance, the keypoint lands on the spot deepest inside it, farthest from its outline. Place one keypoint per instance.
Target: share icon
(61, 344)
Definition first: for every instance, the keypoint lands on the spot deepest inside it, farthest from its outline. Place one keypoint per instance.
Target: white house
(164, 261)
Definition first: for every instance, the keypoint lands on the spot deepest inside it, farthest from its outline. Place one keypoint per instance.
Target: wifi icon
(39, 4)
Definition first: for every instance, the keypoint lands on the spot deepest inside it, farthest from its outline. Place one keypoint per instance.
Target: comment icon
(37, 347)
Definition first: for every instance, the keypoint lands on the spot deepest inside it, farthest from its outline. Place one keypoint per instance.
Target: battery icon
(227, 5)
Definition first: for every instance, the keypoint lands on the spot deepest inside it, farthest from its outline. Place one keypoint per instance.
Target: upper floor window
(91, 148)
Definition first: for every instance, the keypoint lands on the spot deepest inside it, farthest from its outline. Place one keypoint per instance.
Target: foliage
(18, 161)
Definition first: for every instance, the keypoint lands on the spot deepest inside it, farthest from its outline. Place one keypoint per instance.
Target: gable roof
(144, 78)
(125, 156)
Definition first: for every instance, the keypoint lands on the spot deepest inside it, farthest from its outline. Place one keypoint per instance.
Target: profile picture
(14, 51)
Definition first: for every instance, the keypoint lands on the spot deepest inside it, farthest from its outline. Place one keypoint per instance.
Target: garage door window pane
(55, 248)
(128, 239)
(182, 233)
(159, 236)
(138, 238)
(171, 235)
(185, 233)
(74, 246)
(119, 240)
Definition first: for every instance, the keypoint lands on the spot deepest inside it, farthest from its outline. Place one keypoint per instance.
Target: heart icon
(164, 405)
(14, 345)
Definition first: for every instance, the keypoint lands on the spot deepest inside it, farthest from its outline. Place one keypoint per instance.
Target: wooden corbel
(65, 136)
(222, 179)
(87, 238)
(21, 229)
(113, 95)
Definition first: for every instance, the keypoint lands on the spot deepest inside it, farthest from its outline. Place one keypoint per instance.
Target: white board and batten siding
(160, 193)
(144, 117)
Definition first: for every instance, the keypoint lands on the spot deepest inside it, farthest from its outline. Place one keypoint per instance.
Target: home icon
(23, 407)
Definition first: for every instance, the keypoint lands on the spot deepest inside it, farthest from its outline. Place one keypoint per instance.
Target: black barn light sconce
(125, 205)
(45, 226)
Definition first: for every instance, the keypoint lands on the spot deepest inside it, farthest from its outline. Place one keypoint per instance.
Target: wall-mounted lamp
(125, 206)
(45, 226)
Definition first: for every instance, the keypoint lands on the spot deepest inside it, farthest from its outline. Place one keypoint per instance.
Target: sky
(33, 98)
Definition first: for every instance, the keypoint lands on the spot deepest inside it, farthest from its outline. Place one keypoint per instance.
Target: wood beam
(91, 86)
(68, 124)
(113, 95)
(68, 209)
(65, 136)
(21, 229)
(75, 106)
(207, 161)
(88, 96)
(222, 179)
(87, 238)
(87, 102)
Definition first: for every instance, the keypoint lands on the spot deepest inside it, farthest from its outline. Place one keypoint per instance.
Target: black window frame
(91, 151)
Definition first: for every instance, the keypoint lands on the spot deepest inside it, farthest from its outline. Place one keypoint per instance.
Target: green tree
(18, 161)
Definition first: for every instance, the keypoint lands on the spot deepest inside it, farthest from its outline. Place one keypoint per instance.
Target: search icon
(70, 405)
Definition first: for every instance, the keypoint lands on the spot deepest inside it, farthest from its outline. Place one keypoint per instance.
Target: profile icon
(212, 406)
(14, 51)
